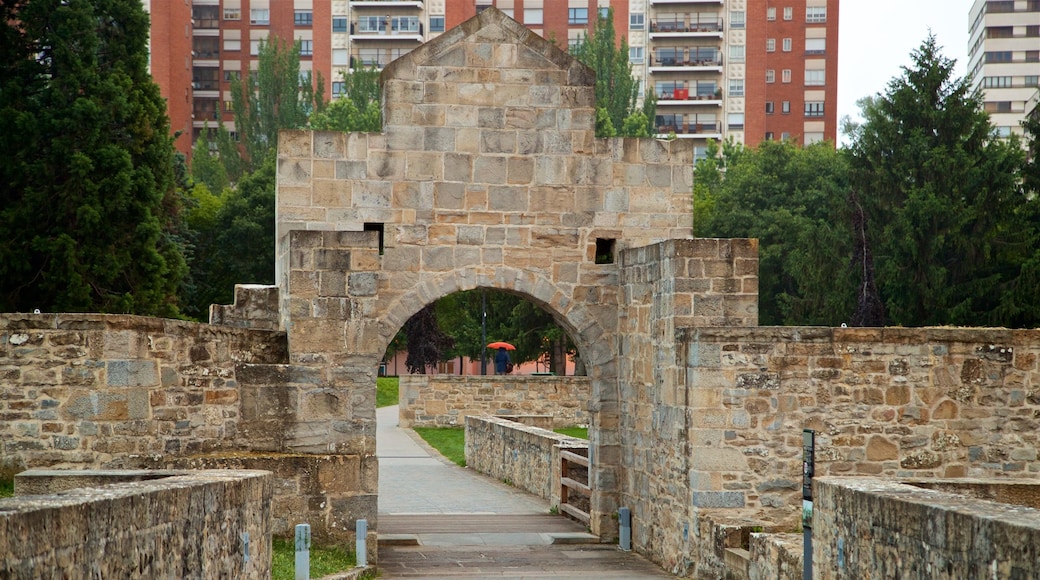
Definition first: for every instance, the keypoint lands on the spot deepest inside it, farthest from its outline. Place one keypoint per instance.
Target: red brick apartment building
(746, 70)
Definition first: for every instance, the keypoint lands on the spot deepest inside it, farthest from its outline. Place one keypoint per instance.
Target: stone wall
(203, 525)
(520, 454)
(892, 402)
(446, 400)
(109, 391)
(94, 390)
(869, 528)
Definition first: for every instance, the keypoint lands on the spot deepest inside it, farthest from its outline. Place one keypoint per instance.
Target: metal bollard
(625, 535)
(303, 551)
(360, 543)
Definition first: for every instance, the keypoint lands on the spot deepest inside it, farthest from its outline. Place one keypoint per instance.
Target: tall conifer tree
(86, 162)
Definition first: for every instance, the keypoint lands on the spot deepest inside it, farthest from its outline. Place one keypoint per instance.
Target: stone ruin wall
(185, 526)
(887, 402)
(92, 391)
(445, 400)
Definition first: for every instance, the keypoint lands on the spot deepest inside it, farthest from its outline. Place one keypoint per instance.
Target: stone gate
(488, 174)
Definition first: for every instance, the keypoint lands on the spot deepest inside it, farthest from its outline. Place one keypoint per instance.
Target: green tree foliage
(616, 89)
(88, 207)
(207, 168)
(427, 343)
(793, 200)
(358, 110)
(276, 98)
(948, 225)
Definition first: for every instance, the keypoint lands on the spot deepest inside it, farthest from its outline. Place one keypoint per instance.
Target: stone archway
(487, 174)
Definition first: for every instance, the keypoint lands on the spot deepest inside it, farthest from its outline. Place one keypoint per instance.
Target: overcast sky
(876, 37)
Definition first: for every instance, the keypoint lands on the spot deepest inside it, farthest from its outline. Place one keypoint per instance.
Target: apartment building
(1004, 58)
(749, 70)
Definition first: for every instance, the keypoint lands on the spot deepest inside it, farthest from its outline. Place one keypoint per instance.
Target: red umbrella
(500, 344)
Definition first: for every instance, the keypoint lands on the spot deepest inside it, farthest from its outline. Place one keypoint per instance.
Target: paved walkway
(440, 521)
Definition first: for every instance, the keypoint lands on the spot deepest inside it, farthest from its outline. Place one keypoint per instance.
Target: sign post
(808, 470)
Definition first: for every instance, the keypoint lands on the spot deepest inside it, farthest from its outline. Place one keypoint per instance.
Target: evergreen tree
(616, 89)
(86, 162)
(949, 227)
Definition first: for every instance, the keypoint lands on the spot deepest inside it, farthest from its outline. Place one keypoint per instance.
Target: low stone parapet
(446, 400)
(870, 528)
(518, 454)
(207, 524)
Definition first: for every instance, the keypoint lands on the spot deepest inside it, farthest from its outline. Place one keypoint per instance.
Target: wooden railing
(575, 493)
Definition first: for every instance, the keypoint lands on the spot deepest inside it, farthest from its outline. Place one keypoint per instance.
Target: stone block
(718, 499)
(132, 373)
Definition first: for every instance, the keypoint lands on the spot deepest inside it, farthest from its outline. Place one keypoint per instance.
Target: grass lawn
(324, 560)
(579, 432)
(450, 441)
(386, 391)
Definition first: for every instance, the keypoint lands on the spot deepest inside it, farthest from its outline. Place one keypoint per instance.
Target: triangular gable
(493, 27)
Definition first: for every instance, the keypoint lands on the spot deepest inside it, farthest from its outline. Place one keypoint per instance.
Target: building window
(259, 16)
(339, 88)
(998, 107)
(232, 14)
(1032, 31)
(604, 11)
(1000, 56)
(996, 82)
(786, 75)
(785, 136)
(736, 53)
(815, 14)
(814, 108)
(637, 21)
(635, 54)
(1033, 56)
(232, 44)
(736, 20)
(1032, 80)
(787, 45)
(254, 47)
(306, 48)
(736, 87)
(815, 78)
(788, 13)
(232, 75)
(770, 45)
(340, 57)
(770, 14)
(577, 16)
(303, 18)
(339, 23)
(532, 16)
(815, 46)
(769, 107)
(785, 107)
(770, 76)
(1000, 32)
(436, 24)
(769, 135)
(735, 121)
(813, 137)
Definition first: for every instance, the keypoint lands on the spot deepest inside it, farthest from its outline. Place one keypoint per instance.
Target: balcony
(386, 3)
(387, 28)
(686, 25)
(686, 59)
(684, 93)
(693, 130)
(376, 58)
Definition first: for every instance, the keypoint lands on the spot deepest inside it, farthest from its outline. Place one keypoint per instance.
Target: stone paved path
(440, 521)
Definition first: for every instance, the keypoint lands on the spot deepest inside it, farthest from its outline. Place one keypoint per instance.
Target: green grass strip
(450, 441)
(386, 391)
(579, 432)
(325, 560)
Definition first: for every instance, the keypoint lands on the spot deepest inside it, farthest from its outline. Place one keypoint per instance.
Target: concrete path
(440, 521)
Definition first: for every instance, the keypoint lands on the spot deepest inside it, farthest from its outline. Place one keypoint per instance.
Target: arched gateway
(488, 174)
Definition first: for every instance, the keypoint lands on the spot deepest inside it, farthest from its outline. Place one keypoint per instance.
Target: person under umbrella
(502, 361)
